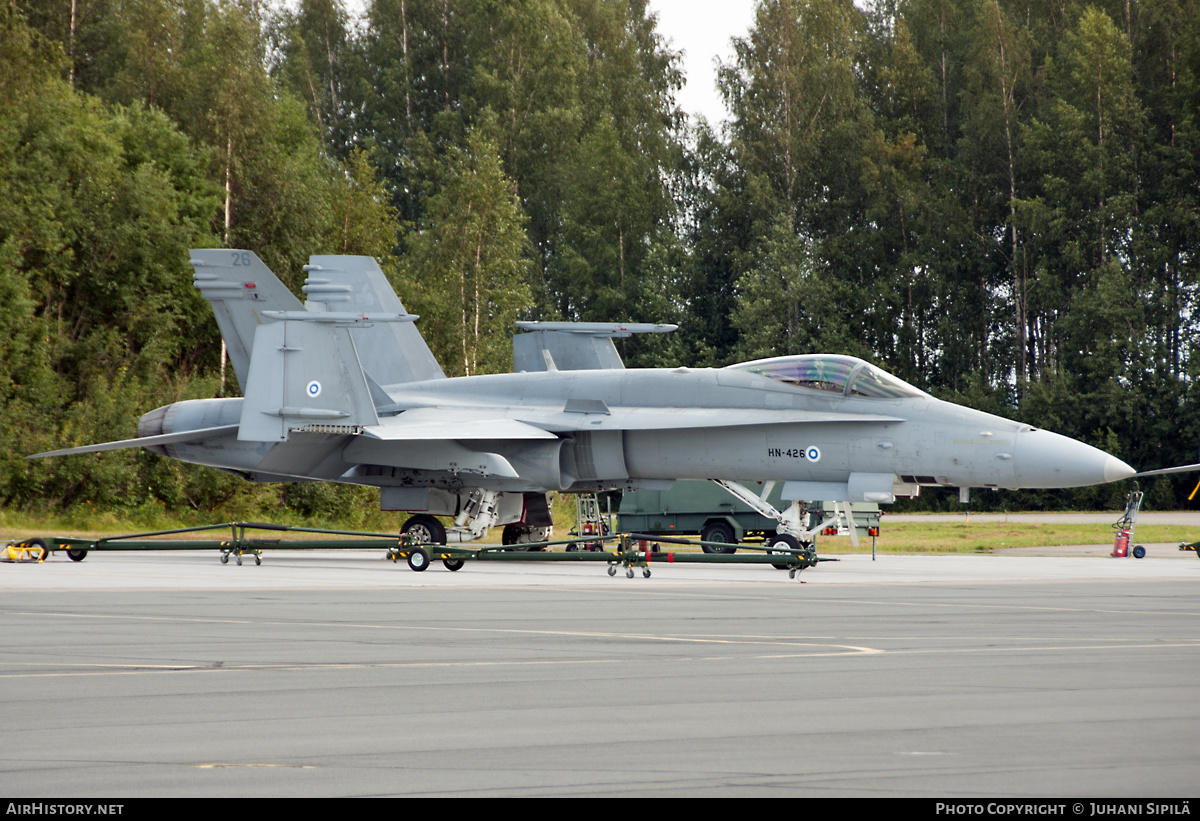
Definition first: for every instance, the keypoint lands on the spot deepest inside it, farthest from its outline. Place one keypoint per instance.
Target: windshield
(878, 383)
(830, 373)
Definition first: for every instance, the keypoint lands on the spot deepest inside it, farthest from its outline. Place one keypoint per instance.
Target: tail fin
(240, 287)
(390, 352)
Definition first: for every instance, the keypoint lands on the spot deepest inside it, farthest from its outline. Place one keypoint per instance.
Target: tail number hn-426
(812, 453)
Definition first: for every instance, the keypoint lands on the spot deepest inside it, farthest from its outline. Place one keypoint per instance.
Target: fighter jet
(342, 388)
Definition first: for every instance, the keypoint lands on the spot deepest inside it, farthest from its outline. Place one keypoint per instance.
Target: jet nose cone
(1048, 460)
(1115, 470)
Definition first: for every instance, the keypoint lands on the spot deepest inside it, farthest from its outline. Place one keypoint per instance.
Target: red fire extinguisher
(1121, 544)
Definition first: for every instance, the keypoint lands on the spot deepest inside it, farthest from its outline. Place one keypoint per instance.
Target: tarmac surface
(339, 674)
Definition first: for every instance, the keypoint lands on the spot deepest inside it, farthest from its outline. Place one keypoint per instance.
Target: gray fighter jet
(342, 388)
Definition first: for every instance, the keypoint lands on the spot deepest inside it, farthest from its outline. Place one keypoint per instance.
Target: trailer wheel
(1139, 552)
(418, 559)
(453, 564)
(718, 532)
(77, 554)
(785, 541)
(40, 544)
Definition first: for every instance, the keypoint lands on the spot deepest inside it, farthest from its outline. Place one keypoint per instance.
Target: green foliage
(998, 202)
(104, 202)
(465, 266)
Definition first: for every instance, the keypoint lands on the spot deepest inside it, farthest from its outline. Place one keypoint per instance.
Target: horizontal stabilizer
(145, 441)
(452, 423)
(302, 372)
(348, 318)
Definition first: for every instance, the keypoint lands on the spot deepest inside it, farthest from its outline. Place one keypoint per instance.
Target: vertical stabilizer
(239, 287)
(392, 353)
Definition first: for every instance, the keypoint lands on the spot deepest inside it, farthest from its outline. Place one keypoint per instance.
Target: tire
(511, 537)
(418, 560)
(785, 541)
(453, 564)
(77, 555)
(718, 532)
(1139, 552)
(41, 544)
(427, 529)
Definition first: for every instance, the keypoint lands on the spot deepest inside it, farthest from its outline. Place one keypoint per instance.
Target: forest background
(997, 200)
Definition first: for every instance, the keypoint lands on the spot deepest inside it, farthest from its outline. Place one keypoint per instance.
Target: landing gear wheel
(452, 564)
(426, 529)
(418, 559)
(788, 543)
(612, 570)
(518, 537)
(77, 555)
(718, 532)
(511, 536)
(1139, 552)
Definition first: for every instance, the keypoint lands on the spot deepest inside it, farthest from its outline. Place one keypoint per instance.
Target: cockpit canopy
(842, 375)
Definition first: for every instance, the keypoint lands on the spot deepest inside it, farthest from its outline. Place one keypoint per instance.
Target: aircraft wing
(453, 423)
(574, 346)
(425, 424)
(145, 441)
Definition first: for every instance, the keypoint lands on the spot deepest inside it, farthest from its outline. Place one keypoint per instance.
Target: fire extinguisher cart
(1126, 526)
